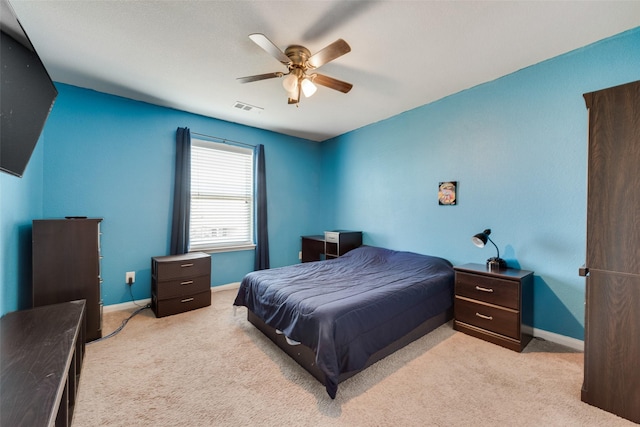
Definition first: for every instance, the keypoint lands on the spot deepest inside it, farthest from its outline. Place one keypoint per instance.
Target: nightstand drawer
(177, 266)
(499, 320)
(488, 289)
(179, 287)
(168, 307)
(332, 236)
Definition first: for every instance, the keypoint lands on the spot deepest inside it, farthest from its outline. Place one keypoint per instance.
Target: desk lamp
(480, 240)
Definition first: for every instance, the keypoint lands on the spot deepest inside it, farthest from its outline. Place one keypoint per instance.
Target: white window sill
(219, 249)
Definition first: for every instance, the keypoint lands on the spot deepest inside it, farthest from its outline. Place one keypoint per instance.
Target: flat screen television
(27, 94)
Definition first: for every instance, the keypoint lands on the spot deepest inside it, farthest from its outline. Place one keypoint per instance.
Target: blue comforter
(348, 308)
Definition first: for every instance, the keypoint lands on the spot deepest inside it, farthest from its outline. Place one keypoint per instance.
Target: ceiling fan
(300, 66)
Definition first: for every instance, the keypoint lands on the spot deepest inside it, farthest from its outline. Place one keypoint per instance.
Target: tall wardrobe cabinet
(612, 268)
(66, 266)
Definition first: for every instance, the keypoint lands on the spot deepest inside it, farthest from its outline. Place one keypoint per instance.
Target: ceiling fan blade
(266, 44)
(329, 53)
(332, 83)
(258, 77)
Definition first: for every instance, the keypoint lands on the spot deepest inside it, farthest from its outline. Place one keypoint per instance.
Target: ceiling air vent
(247, 107)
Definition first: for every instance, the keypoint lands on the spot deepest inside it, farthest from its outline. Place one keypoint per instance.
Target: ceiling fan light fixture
(308, 88)
(294, 96)
(298, 61)
(290, 83)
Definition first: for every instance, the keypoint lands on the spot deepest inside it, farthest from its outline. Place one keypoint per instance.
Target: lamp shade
(290, 83)
(481, 239)
(308, 88)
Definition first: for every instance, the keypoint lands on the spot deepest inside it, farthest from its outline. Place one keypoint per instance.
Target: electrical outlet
(300, 255)
(130, 277)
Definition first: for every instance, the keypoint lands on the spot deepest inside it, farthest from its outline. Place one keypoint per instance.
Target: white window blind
(221, 197)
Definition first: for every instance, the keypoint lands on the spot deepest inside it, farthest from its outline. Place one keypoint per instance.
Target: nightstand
(494, 305)
(332, 244)
(338, 243)
(180, 283)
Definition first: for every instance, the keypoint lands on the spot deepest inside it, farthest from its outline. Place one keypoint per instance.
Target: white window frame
(234, 231)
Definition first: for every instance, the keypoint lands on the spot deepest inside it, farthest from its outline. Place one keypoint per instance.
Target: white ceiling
(188, 54)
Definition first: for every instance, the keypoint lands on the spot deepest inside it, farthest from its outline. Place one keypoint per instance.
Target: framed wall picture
(447, 193)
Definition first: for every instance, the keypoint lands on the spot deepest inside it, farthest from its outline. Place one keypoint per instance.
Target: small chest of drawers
(180, 283)
(332, 244)
(495, 306)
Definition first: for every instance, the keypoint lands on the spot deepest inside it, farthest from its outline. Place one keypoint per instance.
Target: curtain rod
(223, 140)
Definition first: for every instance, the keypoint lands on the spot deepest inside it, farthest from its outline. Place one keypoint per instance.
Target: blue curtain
(262, 235)
(182, 194)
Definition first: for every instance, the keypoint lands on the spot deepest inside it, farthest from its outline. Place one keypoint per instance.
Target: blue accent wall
(113, 158)
(517, 147)
(20, 201)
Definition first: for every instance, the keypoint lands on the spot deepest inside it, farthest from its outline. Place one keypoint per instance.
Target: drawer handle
(186, 265)
(480, 288)
(187, 300)
(188, 282)
(482, 316)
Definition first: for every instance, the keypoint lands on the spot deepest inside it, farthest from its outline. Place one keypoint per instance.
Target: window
(221, 197)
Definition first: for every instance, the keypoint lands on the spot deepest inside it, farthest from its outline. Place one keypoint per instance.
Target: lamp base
(495, 264)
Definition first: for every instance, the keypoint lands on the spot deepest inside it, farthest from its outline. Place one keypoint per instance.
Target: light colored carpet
(209, 367)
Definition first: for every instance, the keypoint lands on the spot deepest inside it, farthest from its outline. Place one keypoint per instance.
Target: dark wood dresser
(493, 305)
(66, 266)
(180, 283)
(41, 354)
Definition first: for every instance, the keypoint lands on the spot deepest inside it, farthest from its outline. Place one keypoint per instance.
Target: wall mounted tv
(27, 94)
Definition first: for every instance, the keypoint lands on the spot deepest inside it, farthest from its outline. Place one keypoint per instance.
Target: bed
(337, 317)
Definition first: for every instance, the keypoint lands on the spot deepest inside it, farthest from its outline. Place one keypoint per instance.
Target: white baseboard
(572, 343)
(126, 305)
(234, 285)
(131, 305)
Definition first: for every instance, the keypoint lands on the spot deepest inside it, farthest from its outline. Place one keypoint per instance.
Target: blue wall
(20, 201)
(113, 158)
(517, 147)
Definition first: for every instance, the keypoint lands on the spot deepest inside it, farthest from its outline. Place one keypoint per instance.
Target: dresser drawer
(488, 289)
(168, 307)
(499, 320)
(182, 286)
(179, 266)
